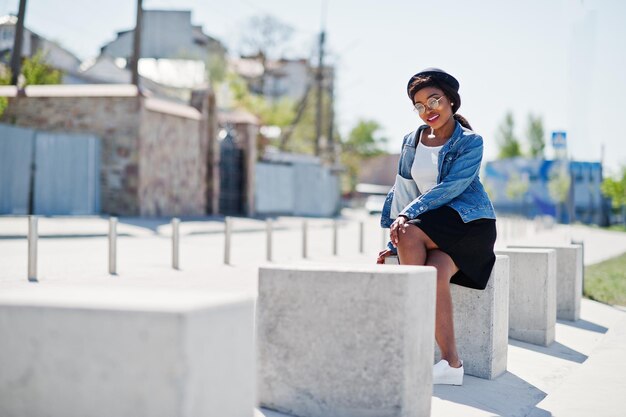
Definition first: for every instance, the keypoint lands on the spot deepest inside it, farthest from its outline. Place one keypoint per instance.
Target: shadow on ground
(556, 349)
(584, 325)
(507, 395)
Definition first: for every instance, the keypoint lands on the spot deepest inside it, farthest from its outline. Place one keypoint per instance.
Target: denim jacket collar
(456, 134)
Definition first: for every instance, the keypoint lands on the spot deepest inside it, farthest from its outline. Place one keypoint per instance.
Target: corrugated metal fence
(66, 176)
(299, 189)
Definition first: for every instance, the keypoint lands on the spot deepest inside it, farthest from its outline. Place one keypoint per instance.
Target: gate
(231, 176)
(65, 177)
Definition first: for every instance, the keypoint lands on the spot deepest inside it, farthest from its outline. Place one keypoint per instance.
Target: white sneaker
(444, 374)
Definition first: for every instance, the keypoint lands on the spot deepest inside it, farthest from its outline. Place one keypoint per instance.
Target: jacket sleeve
(462, 172)
(385, 218)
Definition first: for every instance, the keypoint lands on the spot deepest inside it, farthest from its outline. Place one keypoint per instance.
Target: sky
(563, 60)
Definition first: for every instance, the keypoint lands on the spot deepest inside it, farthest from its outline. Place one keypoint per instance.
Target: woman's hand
(382, 255)
(398, 226)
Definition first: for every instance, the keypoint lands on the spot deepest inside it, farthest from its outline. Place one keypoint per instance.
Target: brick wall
(172, 160)
(153, 159)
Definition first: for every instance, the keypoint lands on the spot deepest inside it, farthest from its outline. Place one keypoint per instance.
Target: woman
(438, 211)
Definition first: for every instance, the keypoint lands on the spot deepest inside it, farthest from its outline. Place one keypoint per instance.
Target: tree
(615, 188)
(36, 71)
(559, 185)
(363, 142)
(216, 68)
(517, 186)
(535, 135)
(271, 113)
(5, 79)
(508, 143)
(266, 38)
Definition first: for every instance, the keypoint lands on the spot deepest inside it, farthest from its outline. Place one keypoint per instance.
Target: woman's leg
(444, 323)
(416, 248)
(413, 245)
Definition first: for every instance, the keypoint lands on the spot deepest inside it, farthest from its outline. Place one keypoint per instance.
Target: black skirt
(470, 245)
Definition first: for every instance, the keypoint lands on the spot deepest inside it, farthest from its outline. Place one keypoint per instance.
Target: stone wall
(153, 160)
(173, 162)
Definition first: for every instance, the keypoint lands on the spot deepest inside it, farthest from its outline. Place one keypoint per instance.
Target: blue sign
(559, 140)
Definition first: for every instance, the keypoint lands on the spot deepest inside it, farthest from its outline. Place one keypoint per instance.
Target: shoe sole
(449, 382)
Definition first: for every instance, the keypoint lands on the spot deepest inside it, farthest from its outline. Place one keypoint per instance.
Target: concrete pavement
(581, 371)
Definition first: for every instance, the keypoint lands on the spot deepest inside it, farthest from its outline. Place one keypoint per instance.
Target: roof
(237, 116)
(249, 68)
(8, 20)
(380, 170)
(81, 90)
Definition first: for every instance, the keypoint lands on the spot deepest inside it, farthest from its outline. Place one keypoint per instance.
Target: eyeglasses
(432, 104)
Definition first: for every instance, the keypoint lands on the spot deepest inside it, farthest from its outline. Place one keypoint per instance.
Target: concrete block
(481, 323)
(346, 340)
(532, 294)
(75, 352)
(569, 278)
(392, 260)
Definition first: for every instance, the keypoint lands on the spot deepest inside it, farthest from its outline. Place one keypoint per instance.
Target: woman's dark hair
(429, 81)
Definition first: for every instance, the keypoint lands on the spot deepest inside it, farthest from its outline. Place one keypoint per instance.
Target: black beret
(438, 75)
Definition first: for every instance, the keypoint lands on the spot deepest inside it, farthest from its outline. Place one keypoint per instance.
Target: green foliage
(36, 71)
(362, 142)
(558, 184)
(505, 137)
(615, 188)
(217, 68)
(271, 113)
(535, 135)
(606, 281)
(517, 186)
(5, 79)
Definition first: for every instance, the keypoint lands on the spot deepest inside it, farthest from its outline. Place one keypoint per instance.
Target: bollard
(175, 242)
(361, 236)
(227, 231)
(305, 226)
(113, 245)
(268, 228)
(335, 238)
(582, 245)
(32, 248)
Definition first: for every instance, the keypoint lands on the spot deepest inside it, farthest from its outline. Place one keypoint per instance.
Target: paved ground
(581, 374)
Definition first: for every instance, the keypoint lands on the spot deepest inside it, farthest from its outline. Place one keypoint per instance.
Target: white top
(425, 166)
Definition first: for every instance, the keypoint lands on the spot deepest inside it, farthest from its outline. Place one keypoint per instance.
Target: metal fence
(65, 176)
(299, 189)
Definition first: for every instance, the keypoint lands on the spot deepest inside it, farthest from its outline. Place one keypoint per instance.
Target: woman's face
(439, 116)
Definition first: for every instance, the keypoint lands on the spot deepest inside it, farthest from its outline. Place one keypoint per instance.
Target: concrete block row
(330, 340)
(345, 341)
(481, 320)
(338, 342)
(532, 294)
(122, 352)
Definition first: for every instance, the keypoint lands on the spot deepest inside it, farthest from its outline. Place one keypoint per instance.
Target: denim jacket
(458, 185)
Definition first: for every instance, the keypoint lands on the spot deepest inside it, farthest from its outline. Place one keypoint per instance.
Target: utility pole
(319, 79)
(16, 56)
(331, 117)
(137, 45)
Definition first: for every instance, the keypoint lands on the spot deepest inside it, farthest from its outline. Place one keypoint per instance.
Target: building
(175, 56)
(291, 78)
(166, 34)
(54, 55)
(522, 186)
